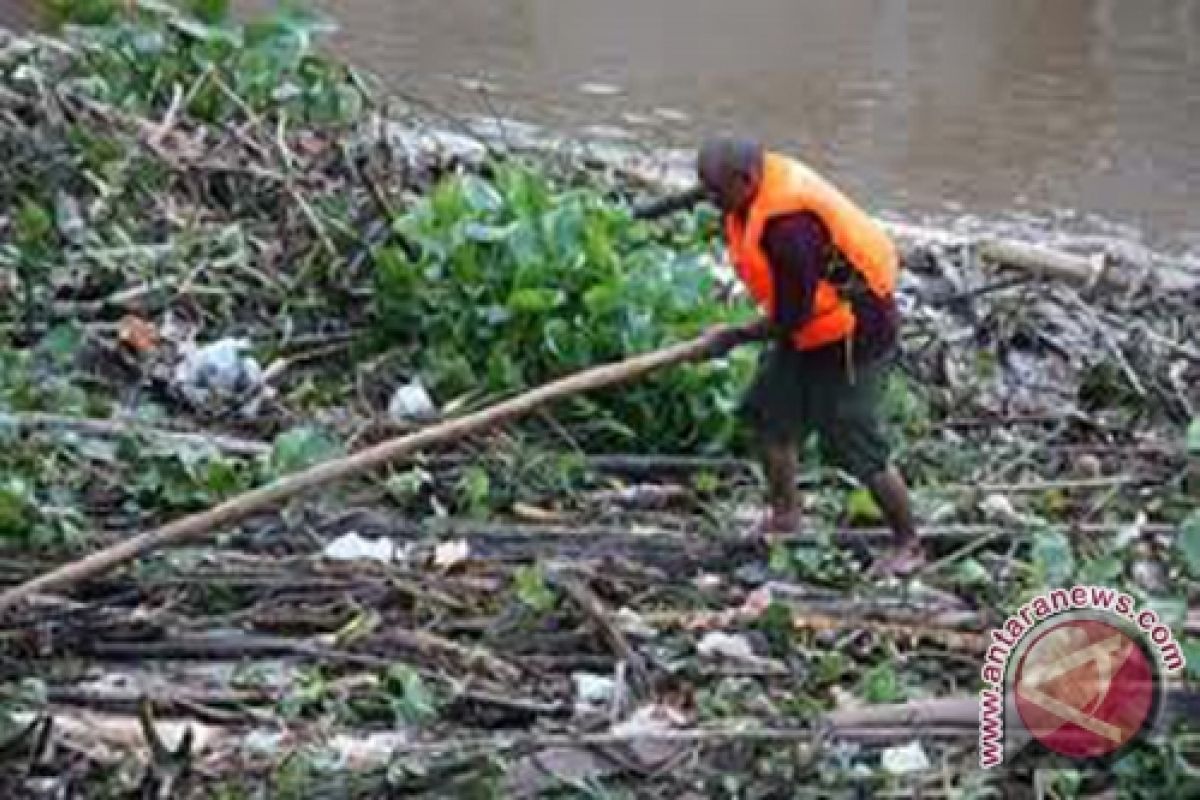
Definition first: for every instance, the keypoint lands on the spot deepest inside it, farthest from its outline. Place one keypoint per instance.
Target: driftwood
(1089, 271)
(206, 523)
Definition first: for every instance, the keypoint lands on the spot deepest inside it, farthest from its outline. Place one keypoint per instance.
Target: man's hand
(723, 338)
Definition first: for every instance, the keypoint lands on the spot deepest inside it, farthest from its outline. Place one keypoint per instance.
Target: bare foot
(902, 563)
(774, 526)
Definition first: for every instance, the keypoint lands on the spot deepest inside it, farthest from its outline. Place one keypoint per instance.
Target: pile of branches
(513, 612)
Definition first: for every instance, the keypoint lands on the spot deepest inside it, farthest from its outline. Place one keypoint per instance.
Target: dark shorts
(796, 394)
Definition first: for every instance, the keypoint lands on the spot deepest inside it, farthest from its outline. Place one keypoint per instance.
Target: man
(824, 273)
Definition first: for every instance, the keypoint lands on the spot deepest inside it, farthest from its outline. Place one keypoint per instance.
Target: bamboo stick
(204, 524)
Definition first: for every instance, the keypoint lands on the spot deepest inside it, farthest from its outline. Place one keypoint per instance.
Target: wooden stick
(593, 608)
(123, 427)
(432, 645)
(206, 523)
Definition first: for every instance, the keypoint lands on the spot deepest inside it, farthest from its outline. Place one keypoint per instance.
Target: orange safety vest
(788, 186)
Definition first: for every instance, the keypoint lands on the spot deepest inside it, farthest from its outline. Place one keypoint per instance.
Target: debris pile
(210, 284)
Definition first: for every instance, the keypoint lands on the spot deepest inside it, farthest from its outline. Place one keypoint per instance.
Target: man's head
(730, 171)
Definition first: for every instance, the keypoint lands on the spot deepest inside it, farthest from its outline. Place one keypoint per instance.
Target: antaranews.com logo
(1079, 671)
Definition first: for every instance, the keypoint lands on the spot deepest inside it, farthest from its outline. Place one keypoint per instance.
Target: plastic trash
(592, 689)
(905, 759)
(218, 373)
(352, 547)
(723, 645)
(411, 402)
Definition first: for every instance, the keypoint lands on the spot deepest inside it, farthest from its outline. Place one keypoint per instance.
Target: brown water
(1051, 114)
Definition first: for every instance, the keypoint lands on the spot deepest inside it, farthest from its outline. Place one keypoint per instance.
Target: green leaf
(210, 11)
(16, 507)
(882, 685)
(62, 343)
(488, 234)
(404, 486)
(969, 572)
(475, 487)
(481, 196)
(534, 301)
(861, 507)
(602, 298)
(831, 667)
(1193, 437)
(532, 589)
(1172, 611)
(1189, 543)
(1102, 570)
(780, 559)
(33, 224)
(300, 448)
(81, 12)
(412, 701)
(1053, 557)
(706, 482)
(776, 624)
(1191, 656)
(200, 30)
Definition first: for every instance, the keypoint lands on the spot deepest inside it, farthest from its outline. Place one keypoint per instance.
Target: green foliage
(905, 406)
(821, 562)
(210, 12)
(405, 486)
(1171, 611)
(309, 693)
(184, 478)
(729, 697)
(1053, 560)
(861, 507)
(268, 65)
(412, 702)
(61, 344)
(1193, 437)
(532, 589)
(776, 624)
(16, 507)
(23, 697)
(1101, 570)
(830, 669)
(80, 12)
(300, 448)
(475, 489)
(514, 281)
(1188, 543)
(293, 779)
(881, 684)
(39, 487)
(1166, 767)
(1191, 656)
(971, 574)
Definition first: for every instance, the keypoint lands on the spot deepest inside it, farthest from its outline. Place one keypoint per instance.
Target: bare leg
(779, 465)
(890, 493)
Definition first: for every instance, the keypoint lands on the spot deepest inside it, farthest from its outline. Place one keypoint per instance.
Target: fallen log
(206, 523)
(1096, 269)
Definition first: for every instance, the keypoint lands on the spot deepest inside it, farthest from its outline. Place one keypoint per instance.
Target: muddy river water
(1052, 114)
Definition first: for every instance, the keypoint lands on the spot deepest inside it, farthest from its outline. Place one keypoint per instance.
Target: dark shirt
(799, 249)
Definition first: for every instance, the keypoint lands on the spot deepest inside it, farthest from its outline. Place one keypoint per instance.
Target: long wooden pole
(206, 523)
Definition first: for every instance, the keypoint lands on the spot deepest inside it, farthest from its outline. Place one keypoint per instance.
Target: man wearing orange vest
(824, 275)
